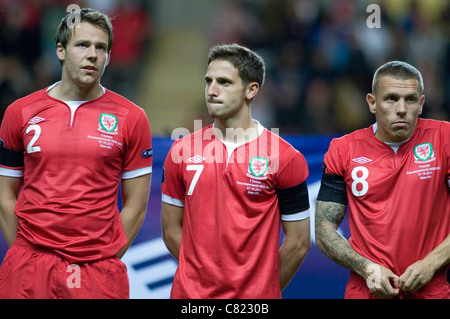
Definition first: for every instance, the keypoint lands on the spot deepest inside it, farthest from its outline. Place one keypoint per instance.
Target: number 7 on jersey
(198, 170)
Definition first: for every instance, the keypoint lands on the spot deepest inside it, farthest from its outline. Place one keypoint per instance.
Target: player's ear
(422, 102)
(252, 90)
(60, 52)
(108, 58)
(370, 98)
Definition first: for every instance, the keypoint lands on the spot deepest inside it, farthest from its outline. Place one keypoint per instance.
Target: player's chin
(215, 111)
(400, 135)
(87, 81)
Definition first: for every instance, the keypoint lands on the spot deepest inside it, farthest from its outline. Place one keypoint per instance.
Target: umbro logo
(196, 159)
(36, 120)
(362, 160)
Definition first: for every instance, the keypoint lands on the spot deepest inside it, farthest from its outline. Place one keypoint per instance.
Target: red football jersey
(399, 203)
(231, 222)
(73, 164)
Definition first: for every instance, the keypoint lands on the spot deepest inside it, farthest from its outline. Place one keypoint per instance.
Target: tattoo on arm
(329, 216)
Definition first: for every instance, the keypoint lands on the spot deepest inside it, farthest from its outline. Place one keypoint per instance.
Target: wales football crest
(108, 123)
(424, 152)
(258, 166)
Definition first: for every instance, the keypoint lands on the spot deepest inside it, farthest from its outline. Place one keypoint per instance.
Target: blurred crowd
(320, 55)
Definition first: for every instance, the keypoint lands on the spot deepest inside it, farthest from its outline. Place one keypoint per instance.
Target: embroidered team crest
(108, 123)
(424, 152)
(258, 166)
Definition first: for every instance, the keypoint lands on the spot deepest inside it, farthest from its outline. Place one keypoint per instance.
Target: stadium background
(320, 57)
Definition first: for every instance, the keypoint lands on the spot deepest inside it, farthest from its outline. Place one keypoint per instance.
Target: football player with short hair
(226, 188)
(64, 151)
(394, 177)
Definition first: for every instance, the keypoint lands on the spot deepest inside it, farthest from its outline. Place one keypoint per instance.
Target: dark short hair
(398, 70)
(95, 17)
(250, 65)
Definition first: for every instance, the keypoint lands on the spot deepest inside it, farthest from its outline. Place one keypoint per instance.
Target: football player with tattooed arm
(64, 151)
(394, 178)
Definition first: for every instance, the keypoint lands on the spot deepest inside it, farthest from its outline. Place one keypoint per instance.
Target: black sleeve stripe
(293, 199)
(333, 189)
(11, 158)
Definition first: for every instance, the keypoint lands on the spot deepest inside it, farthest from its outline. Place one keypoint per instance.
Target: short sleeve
(445, 131)
(172, 186)
(138, 157)
(291, 187)
(334, 157)
(293, 169)
(10, 136)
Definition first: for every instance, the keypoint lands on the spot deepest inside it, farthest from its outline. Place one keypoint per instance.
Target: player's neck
(237, 131)
(67, 91)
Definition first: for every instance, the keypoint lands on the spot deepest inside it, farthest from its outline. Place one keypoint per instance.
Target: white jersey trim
(296, 216)
(11, 172)
(172, 201)
(137, 172)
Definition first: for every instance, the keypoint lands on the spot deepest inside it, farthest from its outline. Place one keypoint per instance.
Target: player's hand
(382, 282)
(416, 276)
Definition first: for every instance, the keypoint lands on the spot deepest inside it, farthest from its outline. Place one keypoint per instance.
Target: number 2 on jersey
(198, 170)
(360, 180)
(37, 132)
